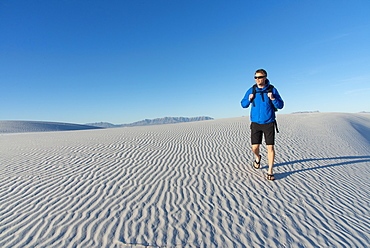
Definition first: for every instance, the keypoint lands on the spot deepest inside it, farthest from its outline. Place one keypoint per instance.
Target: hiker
(265, 100)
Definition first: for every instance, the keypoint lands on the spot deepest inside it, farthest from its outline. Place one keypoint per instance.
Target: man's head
(261, 71)
(260, 77)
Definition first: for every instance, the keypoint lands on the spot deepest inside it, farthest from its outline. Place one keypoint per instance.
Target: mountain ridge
(149, 122)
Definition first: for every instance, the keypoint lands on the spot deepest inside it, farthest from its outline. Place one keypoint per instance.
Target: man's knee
(255, 147)
(270, 148)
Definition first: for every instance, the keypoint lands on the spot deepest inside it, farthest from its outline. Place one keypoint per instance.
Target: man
(265, 99)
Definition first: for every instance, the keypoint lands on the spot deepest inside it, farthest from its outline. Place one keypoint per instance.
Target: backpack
(268, 90)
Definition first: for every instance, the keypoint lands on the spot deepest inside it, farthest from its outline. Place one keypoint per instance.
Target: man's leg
(256, 138)
(271, 158)
(256, 151)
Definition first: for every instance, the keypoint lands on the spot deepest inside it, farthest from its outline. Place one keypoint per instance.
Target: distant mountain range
(147, 122)
(306, 112)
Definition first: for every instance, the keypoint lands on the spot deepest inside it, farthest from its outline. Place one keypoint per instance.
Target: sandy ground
(188, 185)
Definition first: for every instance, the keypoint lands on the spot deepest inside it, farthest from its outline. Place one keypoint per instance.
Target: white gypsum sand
(39, 126)
(188, 185)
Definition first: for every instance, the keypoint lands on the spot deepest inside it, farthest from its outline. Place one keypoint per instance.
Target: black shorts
(268, 130)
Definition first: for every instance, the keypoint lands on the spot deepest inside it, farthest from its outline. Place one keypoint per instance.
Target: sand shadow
(350, 161)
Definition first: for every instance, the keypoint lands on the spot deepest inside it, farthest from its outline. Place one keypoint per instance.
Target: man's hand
(250, 97)
(271, 96)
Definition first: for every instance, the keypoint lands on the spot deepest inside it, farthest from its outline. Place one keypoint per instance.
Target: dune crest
(39, 126)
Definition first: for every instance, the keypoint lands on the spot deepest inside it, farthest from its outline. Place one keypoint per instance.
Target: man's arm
(276, 99)
(246, 101)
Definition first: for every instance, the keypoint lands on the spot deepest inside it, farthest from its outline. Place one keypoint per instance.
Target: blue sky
(123, 61)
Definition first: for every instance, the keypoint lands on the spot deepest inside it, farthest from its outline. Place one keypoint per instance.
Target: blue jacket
(262, 112)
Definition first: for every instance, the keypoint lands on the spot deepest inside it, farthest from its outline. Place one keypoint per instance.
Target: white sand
(39, 126)
(188, 185)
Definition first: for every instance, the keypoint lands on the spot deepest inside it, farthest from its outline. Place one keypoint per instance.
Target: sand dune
(39, 126)
(188, 185)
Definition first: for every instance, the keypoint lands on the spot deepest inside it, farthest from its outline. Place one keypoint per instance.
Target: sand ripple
(188, 185)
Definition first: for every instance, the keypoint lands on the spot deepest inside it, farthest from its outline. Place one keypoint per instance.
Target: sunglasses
(259, 77)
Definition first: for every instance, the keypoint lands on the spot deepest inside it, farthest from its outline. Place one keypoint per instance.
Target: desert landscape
(187, 185)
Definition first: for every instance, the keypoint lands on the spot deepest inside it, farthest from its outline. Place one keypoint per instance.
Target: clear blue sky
(126, 60)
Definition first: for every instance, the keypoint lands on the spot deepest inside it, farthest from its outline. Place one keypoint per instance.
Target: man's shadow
(350, 161)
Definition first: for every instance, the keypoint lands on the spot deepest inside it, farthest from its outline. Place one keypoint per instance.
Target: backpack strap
(254, 94)
(276, 126)
(254, 91)
(269, 89)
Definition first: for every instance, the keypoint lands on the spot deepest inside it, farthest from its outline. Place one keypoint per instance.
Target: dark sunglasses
(259, 77)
